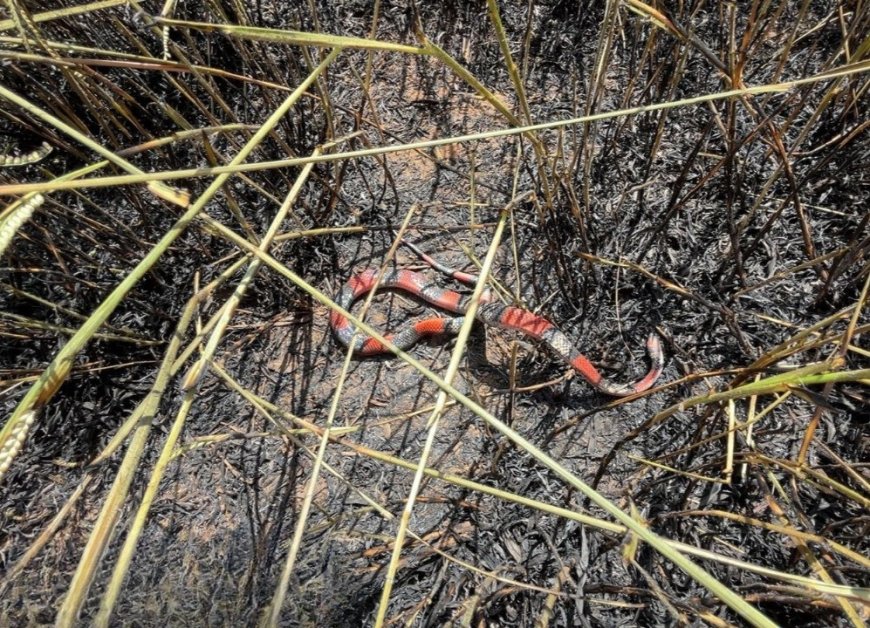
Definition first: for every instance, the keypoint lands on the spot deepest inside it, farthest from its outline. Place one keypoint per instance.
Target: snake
(489, 312)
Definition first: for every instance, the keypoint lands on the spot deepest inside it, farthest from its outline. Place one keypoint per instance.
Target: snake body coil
(488, 312)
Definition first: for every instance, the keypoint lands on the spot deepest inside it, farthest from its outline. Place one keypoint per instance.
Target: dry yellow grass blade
(291, 37)
(272, 613)
(14, 189)
(434, 418)
(81, 9)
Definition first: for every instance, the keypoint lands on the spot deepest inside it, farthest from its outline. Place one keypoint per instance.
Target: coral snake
(488, 312)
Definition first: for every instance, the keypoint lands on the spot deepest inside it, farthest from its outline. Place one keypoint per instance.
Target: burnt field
(185, 190)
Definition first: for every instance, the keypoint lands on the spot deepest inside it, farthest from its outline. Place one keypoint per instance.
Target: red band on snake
(488, 312)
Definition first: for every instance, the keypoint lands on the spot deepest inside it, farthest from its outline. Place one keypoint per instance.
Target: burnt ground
(737, 260)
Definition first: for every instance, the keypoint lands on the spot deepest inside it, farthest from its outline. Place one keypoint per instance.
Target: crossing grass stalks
(184, 184)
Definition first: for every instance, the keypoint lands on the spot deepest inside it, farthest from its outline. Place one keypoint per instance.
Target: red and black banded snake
(489, 312)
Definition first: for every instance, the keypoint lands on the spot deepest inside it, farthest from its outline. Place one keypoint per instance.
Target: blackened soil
(728, 227)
